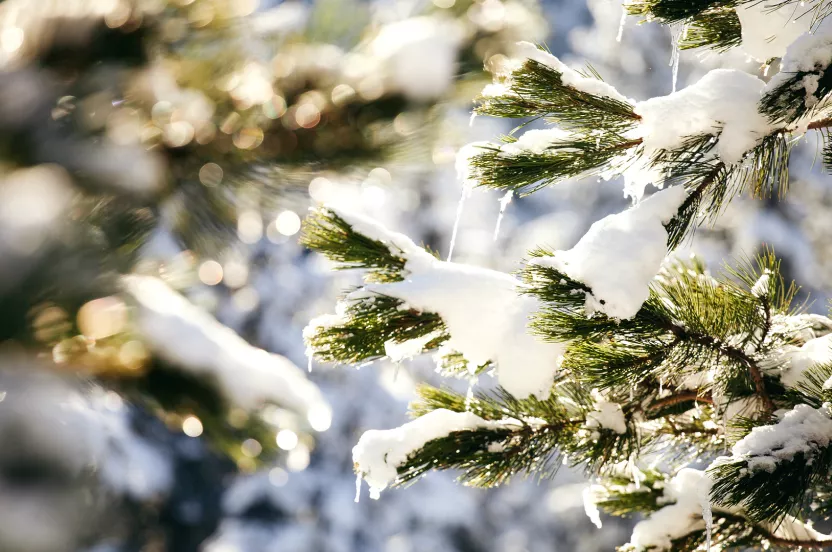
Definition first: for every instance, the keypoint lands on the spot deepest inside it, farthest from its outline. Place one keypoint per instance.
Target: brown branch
(685, 396)
(821, 123)
(774, 539)
(732, 353)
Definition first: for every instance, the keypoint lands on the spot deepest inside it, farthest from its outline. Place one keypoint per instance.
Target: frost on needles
(617, 356)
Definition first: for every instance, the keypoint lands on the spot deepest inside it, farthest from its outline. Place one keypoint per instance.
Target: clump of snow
(620, 255)
(482, 309)
(690, 489)
(591, 495)
(535, 141)
(379, 453)
(724, 101)
(761, 286)
(606, 415)
(809, 52)
(418, 55)
(193, 340)
(408, 349)
(797, 360)
(802, 430)
(569, 77)
(812, 51)
(770, 26)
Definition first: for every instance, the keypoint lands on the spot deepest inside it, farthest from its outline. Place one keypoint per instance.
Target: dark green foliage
(526, 172)
(537, 90)
(718, 29)
(787, 102)
(369, 323)
(675, 11)
(596, 126)
(709, 23)
(539, 433)
(736, 484)
(326, 232)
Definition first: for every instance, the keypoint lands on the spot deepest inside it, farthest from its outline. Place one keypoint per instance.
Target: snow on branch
(379, 453)
(620, 255)
(192, 340)
(682, 517)
(794, 451)
(475, 311)
(802, 86)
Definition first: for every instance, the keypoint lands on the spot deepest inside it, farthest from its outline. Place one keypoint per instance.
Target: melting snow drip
(504, 201)
(469, 395)
(708, 516)
(637, 475)
(357, 487)
(621, 24)
(676, 32)
(466, 191)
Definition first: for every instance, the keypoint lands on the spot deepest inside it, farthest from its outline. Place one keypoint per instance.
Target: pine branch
(368, 324)
(527, 172)
(537, 90)
(326, 232)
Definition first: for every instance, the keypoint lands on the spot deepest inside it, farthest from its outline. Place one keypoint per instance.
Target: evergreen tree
(699, 399)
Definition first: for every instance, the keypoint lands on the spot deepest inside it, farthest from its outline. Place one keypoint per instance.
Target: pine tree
(698, 399)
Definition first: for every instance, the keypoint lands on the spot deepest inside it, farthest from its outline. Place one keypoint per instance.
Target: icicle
(357, 487)
(469, 395)
(632, 392)
(466, 191)
(471, 120)
(676, 32)
(504, 201)
(309, 363)
(708, 516)
(637, 475)
(621, 24)
(661, 386)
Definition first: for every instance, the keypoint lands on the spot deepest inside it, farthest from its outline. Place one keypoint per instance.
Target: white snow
(194, 341)
(590, 495)
(801, 430)
(767, 30)
(606, 414)
(796, 361)
(484, 314)
(407, 349)
(535, 141)
(761, 286)
(812, 51)
(620, 255)
(569, 77)
(418, 55)
(379, 453)
(690, 489)
(374, 230)
(724, 100)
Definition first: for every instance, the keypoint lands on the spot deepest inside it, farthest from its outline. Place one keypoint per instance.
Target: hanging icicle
(504, 201)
